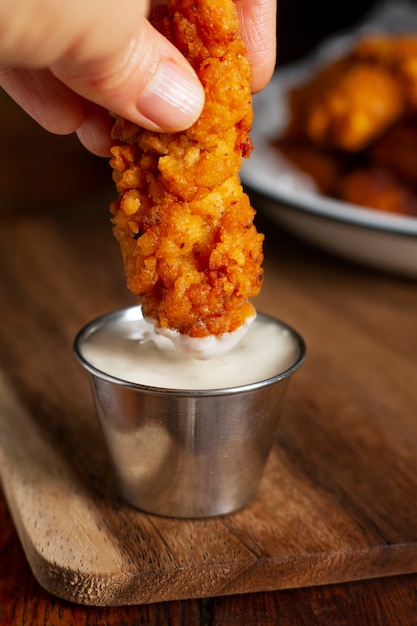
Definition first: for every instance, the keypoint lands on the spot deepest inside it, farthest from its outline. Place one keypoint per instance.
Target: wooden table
(346, 450)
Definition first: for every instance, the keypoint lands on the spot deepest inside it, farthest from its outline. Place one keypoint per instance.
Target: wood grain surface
(376, 602)
(337, 502)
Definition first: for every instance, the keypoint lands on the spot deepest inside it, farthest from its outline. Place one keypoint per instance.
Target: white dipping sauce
(129, 349)
(204, 348)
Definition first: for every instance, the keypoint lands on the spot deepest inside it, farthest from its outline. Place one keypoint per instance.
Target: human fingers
(95, 131)
(108, 53)
(258, 29)
(51, 103)
(148, 81)
(58, 109)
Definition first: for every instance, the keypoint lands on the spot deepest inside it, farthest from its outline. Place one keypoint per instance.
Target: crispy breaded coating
(347, 105)
(324, 167)
(377, 188)
(398, 54)
(352, 101)
(353, 125)
(191, 252)
(397, 150)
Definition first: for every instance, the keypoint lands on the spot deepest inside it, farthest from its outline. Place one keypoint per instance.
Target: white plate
(376, 238)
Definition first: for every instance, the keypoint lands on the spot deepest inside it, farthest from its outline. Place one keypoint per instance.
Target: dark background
(303, 23)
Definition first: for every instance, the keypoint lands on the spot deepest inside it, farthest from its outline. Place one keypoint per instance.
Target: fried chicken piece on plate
(346, 105)
(398, 54)
(397, 150)
(353, 100)
(378, 188)
(324, 167)
(191, 252)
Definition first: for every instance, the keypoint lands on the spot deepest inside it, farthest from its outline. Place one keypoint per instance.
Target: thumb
(147, 81)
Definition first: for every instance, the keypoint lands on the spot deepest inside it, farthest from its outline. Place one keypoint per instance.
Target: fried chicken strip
(378, 188)
(397, 150)
(191, 252)
(352, 101)
(353, 125)
(346, 105)
(398, 55)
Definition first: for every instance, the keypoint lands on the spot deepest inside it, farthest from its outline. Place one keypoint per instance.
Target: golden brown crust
(353, 126)
(380, 189)
(191, 252)
(347, 105)
(352, 101)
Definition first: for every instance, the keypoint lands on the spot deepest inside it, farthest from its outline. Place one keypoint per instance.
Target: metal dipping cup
(187, 453)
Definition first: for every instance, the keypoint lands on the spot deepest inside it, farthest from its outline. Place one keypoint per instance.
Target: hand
(67, 64)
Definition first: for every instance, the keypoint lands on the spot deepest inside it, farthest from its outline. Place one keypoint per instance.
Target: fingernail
(173, 99)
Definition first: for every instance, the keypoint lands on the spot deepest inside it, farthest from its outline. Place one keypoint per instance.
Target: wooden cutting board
(337, 501)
